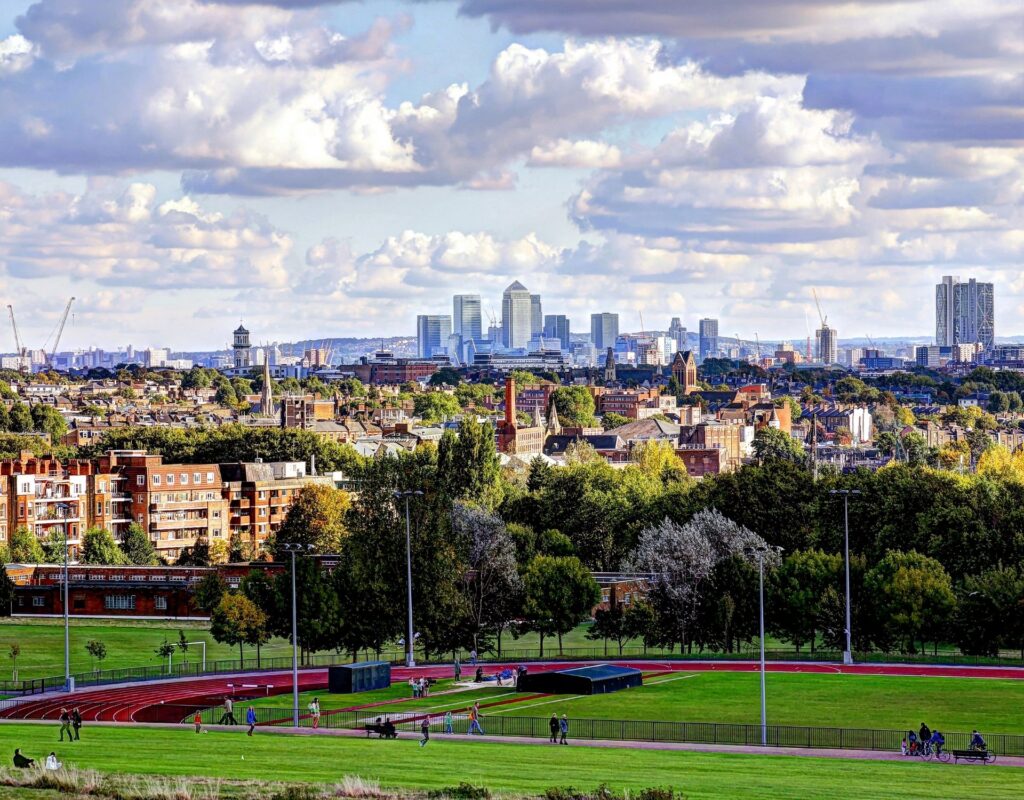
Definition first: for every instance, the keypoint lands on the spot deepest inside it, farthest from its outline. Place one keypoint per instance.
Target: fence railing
(155, 672)
(720, 733)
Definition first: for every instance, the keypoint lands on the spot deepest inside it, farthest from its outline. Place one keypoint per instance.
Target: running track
(172, 701)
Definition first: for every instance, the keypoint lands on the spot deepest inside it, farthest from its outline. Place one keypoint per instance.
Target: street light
(293, 548)
(848, 652)
(410, 639)
(759, 553)
(63, 508)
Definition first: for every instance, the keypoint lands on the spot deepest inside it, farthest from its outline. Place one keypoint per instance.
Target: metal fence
(155, 672)
(716, 733)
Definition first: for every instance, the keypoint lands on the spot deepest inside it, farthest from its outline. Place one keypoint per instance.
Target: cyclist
(937, 741)
(924, 736)
(977, 743)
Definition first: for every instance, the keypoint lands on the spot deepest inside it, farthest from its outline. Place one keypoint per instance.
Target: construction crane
(60, 332)
(17, 340)
(824, 319)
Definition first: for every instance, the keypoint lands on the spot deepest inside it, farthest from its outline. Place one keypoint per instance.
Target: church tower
(242, 348)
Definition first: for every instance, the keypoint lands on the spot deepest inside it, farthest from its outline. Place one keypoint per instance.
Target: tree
(318, 607)
(237, 620)
(795, 592)
(20, 418)
(220, 551)
(25, 548)
(575, 406)
(436, 406)
(912, 595)
(317, 517)
(559, 592)
(773, 443)
(490, 582)
(48, 419)
(99, 547)
(446, 376)
(137, 547)
(198, 555)
(611, 420)
(209, 591)
(97, 652)
(53, 546)
(682, 559)
(989, 612)
(12, 653)
(165, 650)
(998, 402)
(640, 622)
(467, 464)
(610, 623)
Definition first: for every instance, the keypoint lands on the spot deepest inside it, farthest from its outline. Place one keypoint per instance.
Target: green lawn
(851, 701)
(508, 767)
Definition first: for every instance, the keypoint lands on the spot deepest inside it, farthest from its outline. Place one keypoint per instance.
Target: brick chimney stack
(510, 402)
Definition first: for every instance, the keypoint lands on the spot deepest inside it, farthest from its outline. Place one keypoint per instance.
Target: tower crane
(60, 332)
(824, 319)
(17, 340)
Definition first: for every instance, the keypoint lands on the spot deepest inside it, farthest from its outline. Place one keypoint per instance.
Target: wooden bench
(985, 756)
(385, 730)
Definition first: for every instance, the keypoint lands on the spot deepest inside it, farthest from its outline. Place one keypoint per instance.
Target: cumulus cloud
(116, 235)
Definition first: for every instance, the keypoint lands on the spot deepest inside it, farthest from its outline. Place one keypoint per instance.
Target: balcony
(177, 524)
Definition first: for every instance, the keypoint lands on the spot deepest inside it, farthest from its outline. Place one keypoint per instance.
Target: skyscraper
(604, 330)
(556, 326)
(828, 344)
(677, 333)
(964, 312)
(432, 332)
(516, 316)
(467, 320)
(536, 317)
(708, 333)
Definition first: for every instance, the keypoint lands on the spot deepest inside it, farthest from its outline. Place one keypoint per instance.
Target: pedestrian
(474, 720)
(447, 721)
(65, 724)
(250, 719)
(563, 727)
(198, 721)
(314, 712)
(553, 725)
(458, 670)
(425, 731)
(76, 721)
(414, 685)
(228, 717)
(472, 657)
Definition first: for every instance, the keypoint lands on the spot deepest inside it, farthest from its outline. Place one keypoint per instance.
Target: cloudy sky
(325, 168)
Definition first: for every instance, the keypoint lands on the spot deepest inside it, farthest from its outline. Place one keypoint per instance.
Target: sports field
(507, 768)
(850, 701)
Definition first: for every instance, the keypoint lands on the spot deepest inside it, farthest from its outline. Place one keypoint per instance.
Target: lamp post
(759, 554)
(63, 509)
(293, 549)
(410, 658)
(845, 493)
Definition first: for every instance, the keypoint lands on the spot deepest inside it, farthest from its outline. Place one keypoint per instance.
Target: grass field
(850, 701)
(508, 767)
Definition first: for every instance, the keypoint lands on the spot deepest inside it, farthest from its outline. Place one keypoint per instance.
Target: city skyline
(337, 169)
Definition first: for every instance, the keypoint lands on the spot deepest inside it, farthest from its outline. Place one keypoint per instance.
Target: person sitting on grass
(20, 761)
(52, 764)
(977, 743)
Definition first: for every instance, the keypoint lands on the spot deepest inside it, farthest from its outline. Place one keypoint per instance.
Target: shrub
(464, 791)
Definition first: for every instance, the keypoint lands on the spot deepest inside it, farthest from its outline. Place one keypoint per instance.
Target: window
(119, 602)
(99, 506)
(156, 480)
(209, 477)
(140, 480)
(263, 495)
(170, 479)
(78, 602)
(137, 578)
(183, 479)
(263, 511)
(216, 515)
(38, 601)
(197, 478)
(160, 603)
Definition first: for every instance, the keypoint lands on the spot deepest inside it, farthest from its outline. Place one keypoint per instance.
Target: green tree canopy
(99, 547)
(25, 548)
(317, 517)
(912, 596)
(137, 547)
(560, 592)
(575, 405)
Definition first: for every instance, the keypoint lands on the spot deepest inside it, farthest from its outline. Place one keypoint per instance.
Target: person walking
(448, 722)
(458, 671)
(76, 722)
(314, 712)
(65, 724)
(472, 657)
(425, 731)
(228, 717)
(563, 727)
(197, 720)
(250, 719)
(553, 725)
(474, 720)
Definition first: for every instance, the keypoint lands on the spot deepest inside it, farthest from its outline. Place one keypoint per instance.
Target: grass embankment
(849, 701)
(507, 768)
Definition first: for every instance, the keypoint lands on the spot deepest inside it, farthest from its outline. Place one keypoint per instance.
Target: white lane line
(669, 680)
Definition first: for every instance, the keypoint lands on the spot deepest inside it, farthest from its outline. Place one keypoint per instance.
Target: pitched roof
(516, 286)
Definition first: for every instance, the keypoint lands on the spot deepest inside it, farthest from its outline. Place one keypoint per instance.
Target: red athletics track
(172, 701)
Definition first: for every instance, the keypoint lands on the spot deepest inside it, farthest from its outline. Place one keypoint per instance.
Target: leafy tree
(239, 549)
(575, 406)
(237, 620)
(796, 589)
(226, 395)
(610, 623)
(6, 594)
(209, 591)
(912, 595)
(524, 378)
(467, 464)
(640, 622)
(99, 547)
(436, 406)
(318, 607)
(317, 517)
(12, 653)
(48, 419)
(658, 459)
(24, 547)
(53, 546)
(554, 543)
(220, 551)
(97, 652)
(773, 443)
(989, 612)
(165, 650)
(446, 376)
(198, 555)
(998, 402)
(137, 547)
(559, 592)
(20, 418)
(611, 420)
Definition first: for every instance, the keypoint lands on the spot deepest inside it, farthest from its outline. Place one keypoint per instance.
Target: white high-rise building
(828, 344)
(536, 317)
(516, 317)
(604, 330)
(467, 321)
(964, 312)
(677, 333)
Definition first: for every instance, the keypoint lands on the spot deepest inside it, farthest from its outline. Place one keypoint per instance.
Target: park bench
(384, 730)
(986, 756)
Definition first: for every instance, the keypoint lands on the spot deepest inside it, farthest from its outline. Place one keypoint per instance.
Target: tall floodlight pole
(63, 510)
(293, 549)
(759, 553)
(848, 653)
(410, 658)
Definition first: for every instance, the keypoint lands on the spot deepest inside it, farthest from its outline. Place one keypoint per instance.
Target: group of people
(420, 687)
(21, 761)
(70, 721)
(228, 717)
(559, 729)
(926, 741)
